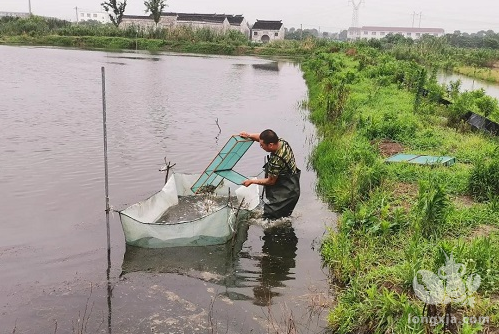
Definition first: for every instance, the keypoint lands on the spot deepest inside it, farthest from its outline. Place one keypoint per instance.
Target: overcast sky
(326, 15)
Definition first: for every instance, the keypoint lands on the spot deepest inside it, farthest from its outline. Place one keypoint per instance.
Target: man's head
(269, 141)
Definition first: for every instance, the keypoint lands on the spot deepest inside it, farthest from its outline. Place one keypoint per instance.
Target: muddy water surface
(54, 275)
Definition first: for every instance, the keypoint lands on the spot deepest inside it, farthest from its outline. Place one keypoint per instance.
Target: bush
(486, 105)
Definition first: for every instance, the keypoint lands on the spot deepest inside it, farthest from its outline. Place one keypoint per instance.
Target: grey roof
(137, 17)
(196, 17)
(201, 18)
(235, 19)
(267, 25)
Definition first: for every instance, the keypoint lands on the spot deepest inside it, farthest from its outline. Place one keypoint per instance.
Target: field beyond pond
(406, 231)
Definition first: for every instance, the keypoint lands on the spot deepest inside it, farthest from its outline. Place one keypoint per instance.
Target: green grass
(487, 74)
(397, 219)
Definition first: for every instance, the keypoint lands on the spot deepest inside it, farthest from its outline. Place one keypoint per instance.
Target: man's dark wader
(283, 195)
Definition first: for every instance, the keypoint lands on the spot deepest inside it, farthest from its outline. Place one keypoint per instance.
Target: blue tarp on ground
(422, 159)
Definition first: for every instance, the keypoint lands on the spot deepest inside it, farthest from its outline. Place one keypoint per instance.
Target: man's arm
(252, 136)
(268, 181)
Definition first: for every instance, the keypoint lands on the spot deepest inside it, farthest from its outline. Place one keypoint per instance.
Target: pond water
(468, 83)
(56, 276)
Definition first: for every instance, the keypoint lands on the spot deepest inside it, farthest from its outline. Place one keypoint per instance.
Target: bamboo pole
(106, 179)
(106, 182)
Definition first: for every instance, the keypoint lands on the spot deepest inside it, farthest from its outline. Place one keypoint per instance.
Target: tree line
(116, 9)
(482, 39)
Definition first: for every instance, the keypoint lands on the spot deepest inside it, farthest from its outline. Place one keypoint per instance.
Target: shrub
(487, 105)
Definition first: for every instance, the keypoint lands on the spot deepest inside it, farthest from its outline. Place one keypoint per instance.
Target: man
(282, 177)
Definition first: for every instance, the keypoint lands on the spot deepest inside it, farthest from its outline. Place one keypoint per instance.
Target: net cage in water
(176, 216)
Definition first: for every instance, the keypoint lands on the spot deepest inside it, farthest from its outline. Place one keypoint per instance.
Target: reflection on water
(221, 264)
(136, 58)
(272, 66)
(210, 263)
(276, 264)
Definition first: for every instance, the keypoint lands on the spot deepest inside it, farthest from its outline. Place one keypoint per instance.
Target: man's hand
(246, 183)
(252, 136)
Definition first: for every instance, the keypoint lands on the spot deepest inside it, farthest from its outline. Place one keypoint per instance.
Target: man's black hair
(268, 136)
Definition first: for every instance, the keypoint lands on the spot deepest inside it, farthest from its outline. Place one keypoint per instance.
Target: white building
(239, 23)
(14, 14)
(101, 17)
(369, 32)
(137, 21)
(266, 31)
(218, 22)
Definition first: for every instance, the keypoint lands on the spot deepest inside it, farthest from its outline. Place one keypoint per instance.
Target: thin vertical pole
(103, 70)
(29, 4)
(109, 290)
(106, 181)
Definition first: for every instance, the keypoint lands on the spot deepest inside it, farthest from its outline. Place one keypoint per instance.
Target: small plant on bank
(432, 207)
(483, 182)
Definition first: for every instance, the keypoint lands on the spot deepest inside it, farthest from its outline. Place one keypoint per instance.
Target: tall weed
(483, 182)
(432, 207)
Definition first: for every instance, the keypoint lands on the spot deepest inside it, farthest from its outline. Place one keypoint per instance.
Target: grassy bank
(399, 219)
(52, 32)
(285, 48)
(486, 74)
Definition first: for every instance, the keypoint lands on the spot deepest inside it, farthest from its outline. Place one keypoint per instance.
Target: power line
(355, 15)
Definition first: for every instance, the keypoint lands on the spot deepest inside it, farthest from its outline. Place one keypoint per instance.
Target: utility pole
(413, 15)
(301, 31)
(420, 14)
(77, 14)
(29, 4)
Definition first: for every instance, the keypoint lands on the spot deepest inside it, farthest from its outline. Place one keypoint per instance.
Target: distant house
(101, 17)
(266, 31)
(369, 32)
(217, 22)
(14, 14)
(141, 21)
(239, 23)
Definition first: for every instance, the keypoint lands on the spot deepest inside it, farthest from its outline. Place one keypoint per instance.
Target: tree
(343, 35)
(487, 105)
(155, 7)
(115, 10)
